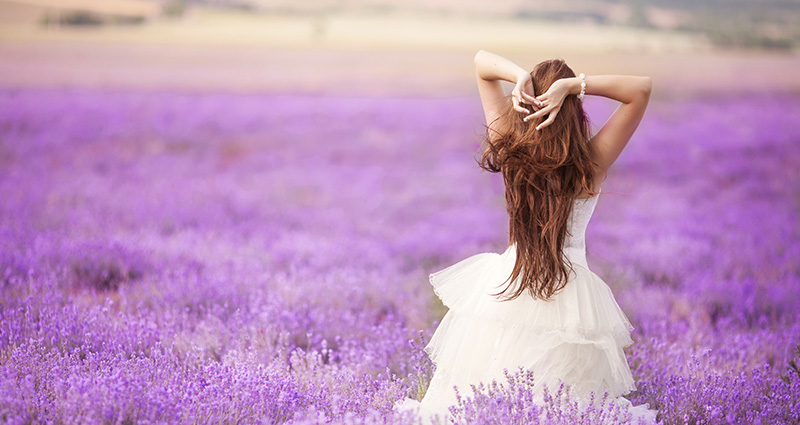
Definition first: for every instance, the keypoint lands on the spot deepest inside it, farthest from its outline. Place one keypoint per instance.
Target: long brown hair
(544, 172)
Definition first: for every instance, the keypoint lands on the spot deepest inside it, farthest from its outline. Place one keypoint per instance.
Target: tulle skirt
(577, 337)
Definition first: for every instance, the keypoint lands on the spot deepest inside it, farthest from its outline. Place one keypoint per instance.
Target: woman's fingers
(516, 100)
(519, 108)
(548, 121)
(540, 113)
(519, 103)
(531, 100)
(548, 110)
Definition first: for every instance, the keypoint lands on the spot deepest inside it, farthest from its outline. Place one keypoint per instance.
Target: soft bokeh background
(384, 47)
(226, 211)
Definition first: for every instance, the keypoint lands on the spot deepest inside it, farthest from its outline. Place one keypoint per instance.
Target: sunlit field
(200, 250)
(214, 258)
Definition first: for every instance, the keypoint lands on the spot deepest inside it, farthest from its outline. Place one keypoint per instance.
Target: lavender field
(199, 258)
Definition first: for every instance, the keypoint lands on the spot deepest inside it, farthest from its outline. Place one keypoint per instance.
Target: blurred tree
(174, 8)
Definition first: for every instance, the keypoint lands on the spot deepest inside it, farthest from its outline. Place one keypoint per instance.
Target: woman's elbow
(478, 56)
(646, 87)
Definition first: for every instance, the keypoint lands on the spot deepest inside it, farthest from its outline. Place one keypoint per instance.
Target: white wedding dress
(576, 337)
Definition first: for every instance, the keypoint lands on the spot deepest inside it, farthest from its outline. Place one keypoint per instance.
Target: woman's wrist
(574, 85)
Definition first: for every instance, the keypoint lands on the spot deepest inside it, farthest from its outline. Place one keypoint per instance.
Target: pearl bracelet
(583, 85)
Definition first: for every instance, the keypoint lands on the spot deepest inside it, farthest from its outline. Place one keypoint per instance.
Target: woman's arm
(634, 95)
(490, 70)
(632, 92)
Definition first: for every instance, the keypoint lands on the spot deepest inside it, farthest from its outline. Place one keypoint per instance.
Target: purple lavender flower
(174, 258)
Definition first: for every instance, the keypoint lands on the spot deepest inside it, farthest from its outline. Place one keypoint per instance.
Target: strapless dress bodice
(575, 240)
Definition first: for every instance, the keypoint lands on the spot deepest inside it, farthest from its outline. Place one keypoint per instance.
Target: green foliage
(85, 18)
(80, 18)
(174, 8)
(747, 27)
(129, 20)
(638, 17)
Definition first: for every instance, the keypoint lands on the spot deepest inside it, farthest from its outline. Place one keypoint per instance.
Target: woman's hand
(550, 101)
(520, 94)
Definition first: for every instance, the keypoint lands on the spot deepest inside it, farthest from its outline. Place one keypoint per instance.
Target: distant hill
(771, 24)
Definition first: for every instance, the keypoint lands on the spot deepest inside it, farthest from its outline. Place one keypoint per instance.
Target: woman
(537, 306)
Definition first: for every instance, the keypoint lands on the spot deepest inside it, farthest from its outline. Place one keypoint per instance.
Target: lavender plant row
(194, 259)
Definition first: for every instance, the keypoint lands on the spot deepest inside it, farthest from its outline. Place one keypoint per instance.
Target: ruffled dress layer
(577, 337)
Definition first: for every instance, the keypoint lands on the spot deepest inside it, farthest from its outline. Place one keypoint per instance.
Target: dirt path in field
(212, 51)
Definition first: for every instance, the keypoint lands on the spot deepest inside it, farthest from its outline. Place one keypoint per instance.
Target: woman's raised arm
(634, 95)
(490, 70)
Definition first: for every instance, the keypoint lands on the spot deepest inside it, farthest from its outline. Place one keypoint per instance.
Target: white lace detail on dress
(575, 240)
